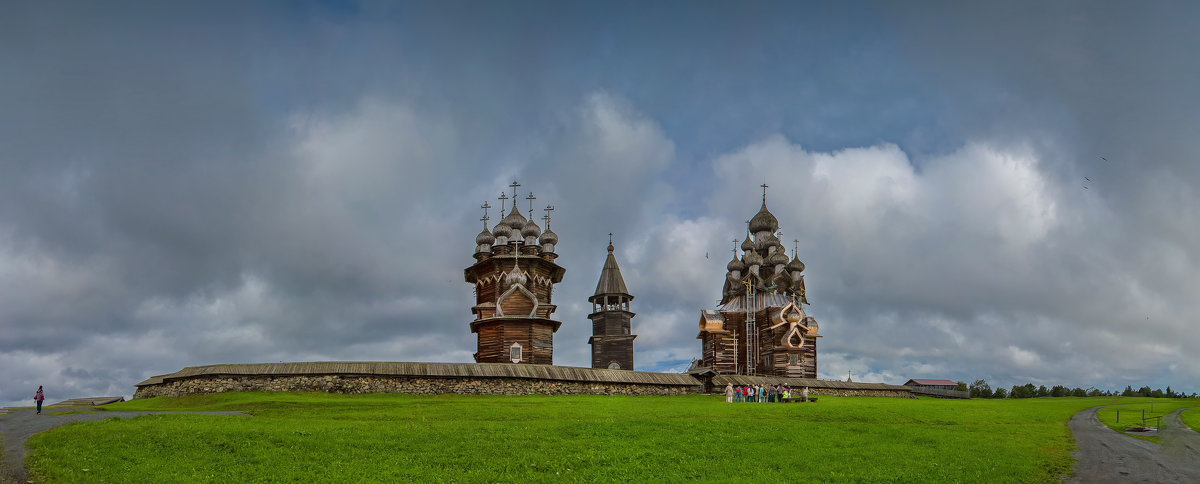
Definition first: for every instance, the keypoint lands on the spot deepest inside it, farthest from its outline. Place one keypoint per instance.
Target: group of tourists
(763, 393)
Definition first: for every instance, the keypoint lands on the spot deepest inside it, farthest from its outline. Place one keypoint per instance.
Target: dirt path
(19, 423)
(1180, 442)
(1107, 456)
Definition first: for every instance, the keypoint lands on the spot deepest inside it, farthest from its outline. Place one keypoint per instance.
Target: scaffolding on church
(751, 330)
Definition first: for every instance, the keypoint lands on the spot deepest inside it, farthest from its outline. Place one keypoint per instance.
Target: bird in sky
(1103, 158)
(1086, 178)
(1085, 187)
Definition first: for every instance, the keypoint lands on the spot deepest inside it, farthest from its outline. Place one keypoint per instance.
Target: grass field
(388, 438)
(1131, 414)
(1192, 418)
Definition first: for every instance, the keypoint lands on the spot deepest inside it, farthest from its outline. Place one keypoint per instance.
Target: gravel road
(1107, 456)
(19, 423)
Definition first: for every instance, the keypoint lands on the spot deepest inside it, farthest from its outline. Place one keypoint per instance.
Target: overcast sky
(1002, 192)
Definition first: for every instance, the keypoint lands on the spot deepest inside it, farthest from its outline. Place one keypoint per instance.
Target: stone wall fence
(471, 379)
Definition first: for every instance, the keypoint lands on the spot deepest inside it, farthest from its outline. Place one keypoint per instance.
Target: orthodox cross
(531, 198)
(764, 187)
(548, 209)
(796, 248)
(503, 197)
(610, 238)
(485, 218)
(735, 247)
(514, 186)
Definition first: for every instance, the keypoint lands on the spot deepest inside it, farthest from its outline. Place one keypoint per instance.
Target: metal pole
(1118, 416)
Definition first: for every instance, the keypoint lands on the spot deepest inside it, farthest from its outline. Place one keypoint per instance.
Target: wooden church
(514, 276)
(760, 327)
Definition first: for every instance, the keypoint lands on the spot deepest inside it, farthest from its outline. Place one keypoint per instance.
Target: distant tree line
(981, 389)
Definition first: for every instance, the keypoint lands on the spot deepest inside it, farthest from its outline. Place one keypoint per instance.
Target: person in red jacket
(39, 397)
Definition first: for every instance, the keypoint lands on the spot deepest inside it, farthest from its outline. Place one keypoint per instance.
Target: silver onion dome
(502, 230)
(514, 220)
(549, 237)
(795, 265)
(485, 238)
(735, 265)
(753, 259)
(778, 258)
(764, 221)
(530, 229)
(515, 276)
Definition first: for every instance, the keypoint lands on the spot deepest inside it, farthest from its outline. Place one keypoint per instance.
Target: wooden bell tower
(612, 343)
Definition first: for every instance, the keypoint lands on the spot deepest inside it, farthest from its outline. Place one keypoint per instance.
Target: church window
(614, 366)
(514, 352)
(793, 359)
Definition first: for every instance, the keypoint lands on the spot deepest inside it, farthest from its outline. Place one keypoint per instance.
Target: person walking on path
(804, 394)
(728, 393)
(39, 397)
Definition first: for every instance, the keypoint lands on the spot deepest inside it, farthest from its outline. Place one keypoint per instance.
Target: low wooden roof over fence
(811, 383)
(390, 368)
(93, 401)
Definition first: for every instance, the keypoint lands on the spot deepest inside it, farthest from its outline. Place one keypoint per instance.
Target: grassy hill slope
(389, 438)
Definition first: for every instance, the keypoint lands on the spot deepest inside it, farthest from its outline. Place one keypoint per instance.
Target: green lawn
(1192, 418)
(1131, 414)
(390, 438)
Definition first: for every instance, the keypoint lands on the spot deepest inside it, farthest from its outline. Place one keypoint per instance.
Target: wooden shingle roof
(931, 382)
(392, 368)
(611, 281)
(811, 383)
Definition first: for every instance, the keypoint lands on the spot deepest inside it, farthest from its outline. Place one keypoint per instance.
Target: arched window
(614, 366)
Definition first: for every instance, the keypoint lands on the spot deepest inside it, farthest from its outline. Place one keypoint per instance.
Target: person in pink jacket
(39, 397)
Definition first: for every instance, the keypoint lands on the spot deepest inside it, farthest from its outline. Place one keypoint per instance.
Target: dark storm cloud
(190, 184)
